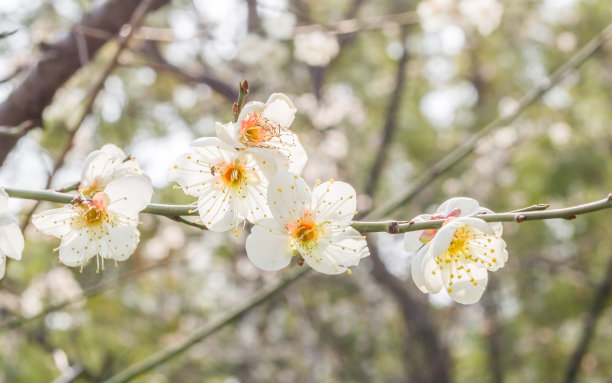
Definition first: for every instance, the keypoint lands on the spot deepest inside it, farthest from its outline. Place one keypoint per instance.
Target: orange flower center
(303, 230)
(233, 174)
(93, 213)
(254, 130)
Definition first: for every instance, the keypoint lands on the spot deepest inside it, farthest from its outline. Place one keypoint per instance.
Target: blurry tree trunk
(59, 61)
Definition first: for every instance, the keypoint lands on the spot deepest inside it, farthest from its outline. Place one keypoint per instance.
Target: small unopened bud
(235, 109)
(393, 228)
(572, 217)
(77, 200)
(244, 86)
(520, 218)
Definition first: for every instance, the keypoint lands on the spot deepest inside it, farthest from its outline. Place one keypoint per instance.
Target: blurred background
(384, 89)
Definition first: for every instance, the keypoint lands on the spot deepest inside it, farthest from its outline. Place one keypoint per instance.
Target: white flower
(266, 127)
(435, 14)
(279, 26)
(485, 15)
(458, 255)
(230, 184)
(11, 239)
(316, 224)
(105, 227)
(103, 166)
(315, 48)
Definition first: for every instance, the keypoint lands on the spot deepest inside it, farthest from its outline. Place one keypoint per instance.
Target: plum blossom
(230, 184)
(11, 239)
(458, 255)
(315, 48)
(104, 227)
(266, 127)
(484, 15)
(315, 224)
(103, 166)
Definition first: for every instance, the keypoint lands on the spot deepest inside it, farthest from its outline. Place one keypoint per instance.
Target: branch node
(571, 217)
(393, 228)
(520, 218)
(610, 197)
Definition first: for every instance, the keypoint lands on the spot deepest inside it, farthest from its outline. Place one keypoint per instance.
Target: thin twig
(87, 293)
(532, 213)
(187, 222)
(210, 328)
(468, 146)
(135, 21)
(590, 321)
(390, 123)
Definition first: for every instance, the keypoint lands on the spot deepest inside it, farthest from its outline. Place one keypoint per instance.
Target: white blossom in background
(435, 14)
(11, 239)
(104, 166)
(458, 255)
(105, 227)
(484, 15)
(265, 128)
(315, 48)
(279, 26)
(314, 224)
(230, 184)
(254, 50)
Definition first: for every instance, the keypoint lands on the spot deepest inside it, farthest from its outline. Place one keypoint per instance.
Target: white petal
(129, 195)
(121, 242)
(417, 271)
(288, 196)
(468, 206)
(55, 222)
(114, 151)
(77, 248)
(411, 238)
(443, 238)
(280, 109)
(496, 226)
(217, 210)
(3, 200)
(227, 134)
(2, 266)
(297, 157)
(267, 247)
(465, 291)
(11, 238)
(476, 223)
(346, 248)
(432, 277)
(192, 171)
(334, 201)
(249, 108)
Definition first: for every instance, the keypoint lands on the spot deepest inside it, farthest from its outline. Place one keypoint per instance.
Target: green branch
(468, 146)
(175, 212)
(204, 331)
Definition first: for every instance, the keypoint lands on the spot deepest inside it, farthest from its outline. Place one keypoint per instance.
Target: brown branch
(135, 21)
(60, 60)
(419, 327)
(253, 24)
(590, 321)
(390, 123)
(493, 332)
(159, 62)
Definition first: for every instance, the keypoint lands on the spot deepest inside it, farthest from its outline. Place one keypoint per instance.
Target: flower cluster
(102, 220)
(458, 255)
(251, 172)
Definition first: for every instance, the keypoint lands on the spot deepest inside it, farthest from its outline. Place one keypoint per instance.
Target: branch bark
(60, 60)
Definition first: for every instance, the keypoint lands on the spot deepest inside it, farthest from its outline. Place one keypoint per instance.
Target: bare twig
(203, 332)
(58, 63)
(158, 62)
(590, 321)
(135, 21)
(468, 146)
